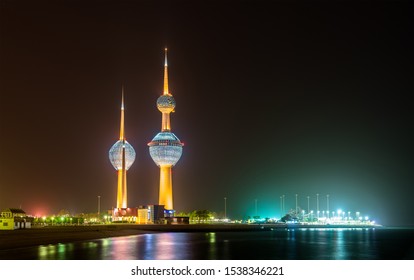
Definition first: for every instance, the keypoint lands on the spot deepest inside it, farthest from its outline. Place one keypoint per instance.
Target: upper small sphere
(166, 103)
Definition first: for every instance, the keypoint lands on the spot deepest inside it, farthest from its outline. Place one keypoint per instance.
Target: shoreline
(15, 239)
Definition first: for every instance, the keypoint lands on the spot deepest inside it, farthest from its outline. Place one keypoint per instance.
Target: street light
(327, 204)
(225, 208)
(281, 207)
(99, 205)
(255, 206)
(296, 209)
(317, 204)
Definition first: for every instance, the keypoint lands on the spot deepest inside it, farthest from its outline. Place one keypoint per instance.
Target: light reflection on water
(277, 244)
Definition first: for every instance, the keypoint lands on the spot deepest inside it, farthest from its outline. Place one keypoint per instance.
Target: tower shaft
(121, 201)
(165, 124)
(165, 196)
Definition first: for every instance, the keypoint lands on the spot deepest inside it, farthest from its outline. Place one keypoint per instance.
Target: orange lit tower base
(166, 194)
(166, 149)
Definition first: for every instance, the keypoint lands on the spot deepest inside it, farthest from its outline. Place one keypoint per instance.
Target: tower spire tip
(166, 91)
(122, 100)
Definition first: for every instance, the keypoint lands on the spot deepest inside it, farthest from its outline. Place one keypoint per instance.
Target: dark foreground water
(308, 244)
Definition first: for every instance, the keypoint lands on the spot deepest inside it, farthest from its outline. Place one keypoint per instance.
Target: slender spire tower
(122, 156)
(166, 149)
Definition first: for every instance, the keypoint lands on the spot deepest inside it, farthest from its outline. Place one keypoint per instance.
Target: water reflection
(277, 244)
(212, 248)
(55, 252)
(289, 244)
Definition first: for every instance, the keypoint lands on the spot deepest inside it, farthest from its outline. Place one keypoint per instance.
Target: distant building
(156, 213)
(144, 214)
(178, 220)
(13, 218)
(124, 215)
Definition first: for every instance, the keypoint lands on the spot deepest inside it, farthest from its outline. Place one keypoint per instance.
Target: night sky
(273, 97)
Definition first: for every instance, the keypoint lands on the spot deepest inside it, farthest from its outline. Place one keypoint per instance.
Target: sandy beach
(61, 234)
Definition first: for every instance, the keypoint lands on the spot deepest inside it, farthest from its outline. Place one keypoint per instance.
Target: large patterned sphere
(165, 148)
(115, 154)
(166, 103)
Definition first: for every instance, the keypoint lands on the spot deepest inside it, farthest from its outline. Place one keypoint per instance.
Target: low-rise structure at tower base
(143, 214)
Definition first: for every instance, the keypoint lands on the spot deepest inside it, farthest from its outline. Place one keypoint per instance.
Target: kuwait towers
(122, 156)
(165, 149)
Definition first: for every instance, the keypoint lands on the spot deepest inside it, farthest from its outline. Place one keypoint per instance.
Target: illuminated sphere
(166, 103)
(115, 155)
(165, 148)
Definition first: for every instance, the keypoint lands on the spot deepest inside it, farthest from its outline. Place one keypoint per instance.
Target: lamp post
(308, 204)
(255, 206)
(296, 205)
(339, 212)
(317, 205)
(327, 204)
(281, 207)
(99, 206)
(225, 208)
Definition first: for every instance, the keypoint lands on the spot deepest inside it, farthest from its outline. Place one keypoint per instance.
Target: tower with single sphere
(166, 149)
(122, 156)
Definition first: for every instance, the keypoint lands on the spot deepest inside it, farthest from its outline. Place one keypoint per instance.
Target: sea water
(278, 244)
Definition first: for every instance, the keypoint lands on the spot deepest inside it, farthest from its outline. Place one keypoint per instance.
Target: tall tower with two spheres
(166, 149)
(122, 156)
